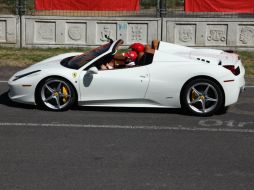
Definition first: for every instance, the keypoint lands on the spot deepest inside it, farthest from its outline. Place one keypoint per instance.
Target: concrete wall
(210, 32)
(9, 31)
(45, 31)
(84, 31)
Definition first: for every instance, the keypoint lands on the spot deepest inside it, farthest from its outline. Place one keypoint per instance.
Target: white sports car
(200, 81)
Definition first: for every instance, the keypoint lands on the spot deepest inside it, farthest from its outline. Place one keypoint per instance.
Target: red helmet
(131, 54)
(138, 47)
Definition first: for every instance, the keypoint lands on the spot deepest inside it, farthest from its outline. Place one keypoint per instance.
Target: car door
(114, 85)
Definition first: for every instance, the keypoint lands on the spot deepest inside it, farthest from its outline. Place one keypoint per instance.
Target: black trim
(237, 71)
(24, 75)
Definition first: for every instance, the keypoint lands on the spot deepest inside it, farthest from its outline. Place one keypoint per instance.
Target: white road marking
(178, 128)
(249, 86)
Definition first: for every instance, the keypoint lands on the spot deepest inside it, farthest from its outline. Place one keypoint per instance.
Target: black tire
(222, 110)
(55, 94)
(202, 97)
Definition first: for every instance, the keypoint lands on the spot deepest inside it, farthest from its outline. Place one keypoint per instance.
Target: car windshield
(79, 61)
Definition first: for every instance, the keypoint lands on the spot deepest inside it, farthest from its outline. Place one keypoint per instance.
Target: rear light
(235, 71)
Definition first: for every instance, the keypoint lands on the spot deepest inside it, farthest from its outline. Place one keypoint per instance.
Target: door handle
(144, 76)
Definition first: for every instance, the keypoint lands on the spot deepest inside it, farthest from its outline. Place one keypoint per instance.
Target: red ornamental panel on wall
(88, 5)
(239, 6)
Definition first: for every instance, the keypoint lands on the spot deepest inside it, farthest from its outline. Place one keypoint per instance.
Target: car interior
(116, 60)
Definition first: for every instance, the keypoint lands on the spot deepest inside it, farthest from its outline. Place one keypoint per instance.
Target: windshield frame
(85, 58)
(112, 50)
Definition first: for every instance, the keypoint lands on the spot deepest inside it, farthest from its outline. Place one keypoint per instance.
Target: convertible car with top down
(199, 81)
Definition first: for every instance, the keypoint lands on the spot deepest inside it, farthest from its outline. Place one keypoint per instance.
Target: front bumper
(21, 92)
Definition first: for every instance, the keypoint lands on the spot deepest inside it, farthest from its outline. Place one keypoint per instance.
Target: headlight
(24, 75)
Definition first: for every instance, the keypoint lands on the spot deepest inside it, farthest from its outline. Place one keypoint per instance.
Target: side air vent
(203, 60)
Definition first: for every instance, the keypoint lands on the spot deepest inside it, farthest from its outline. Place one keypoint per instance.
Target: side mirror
(93, 70)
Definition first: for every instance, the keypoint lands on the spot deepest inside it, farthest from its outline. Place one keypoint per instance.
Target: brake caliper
(194, 95)
(65, 93)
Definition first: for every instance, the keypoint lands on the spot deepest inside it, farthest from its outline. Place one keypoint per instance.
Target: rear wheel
(202, 97)
(56, 94)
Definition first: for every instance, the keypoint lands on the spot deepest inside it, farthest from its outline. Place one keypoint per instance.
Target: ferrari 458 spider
(200, 81)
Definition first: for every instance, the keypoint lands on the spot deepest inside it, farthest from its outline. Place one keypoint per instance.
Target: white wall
(52, 31)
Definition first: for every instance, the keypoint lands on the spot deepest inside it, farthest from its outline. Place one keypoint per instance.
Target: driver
(126, 59)
(131, 57)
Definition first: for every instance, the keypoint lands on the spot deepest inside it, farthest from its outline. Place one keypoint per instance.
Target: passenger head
(137, 47)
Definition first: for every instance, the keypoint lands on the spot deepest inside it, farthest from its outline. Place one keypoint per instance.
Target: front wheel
(202, 97)
(56, 94)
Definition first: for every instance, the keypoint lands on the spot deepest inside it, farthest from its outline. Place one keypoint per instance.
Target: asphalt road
(127, 149)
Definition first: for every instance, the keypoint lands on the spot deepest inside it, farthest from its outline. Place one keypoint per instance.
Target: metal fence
(8, 7)
(148, 8)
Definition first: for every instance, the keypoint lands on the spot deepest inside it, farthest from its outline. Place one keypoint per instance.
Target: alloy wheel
(56, 94)
(202, 97)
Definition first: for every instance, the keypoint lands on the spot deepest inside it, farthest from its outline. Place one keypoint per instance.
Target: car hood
(53, 62)
(50, 63)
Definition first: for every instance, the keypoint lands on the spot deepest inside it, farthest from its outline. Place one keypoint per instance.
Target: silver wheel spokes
(56, 94)
(202, 97)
